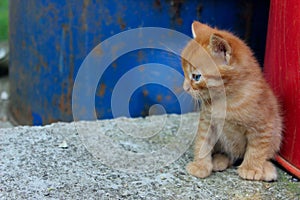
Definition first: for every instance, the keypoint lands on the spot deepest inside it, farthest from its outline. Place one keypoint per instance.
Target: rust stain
(159, 98)
(98, 38)
(33, 49)
(157, 5)
(20, 114)
(175, 11)
(63, 103)
(179, 21)
(145, 93)
(178, 90)
(141, 68)
(116, 48)
(141, 56)
(50, 8)
(114, 65)
(102, 89)
(98, 50)
(108, 18)
(65, 99)
(37, 68)
(84, 14)
(86, 3)
(168, 98)
(199, 11)
(23, 43)
(71, 74)
(121, 23)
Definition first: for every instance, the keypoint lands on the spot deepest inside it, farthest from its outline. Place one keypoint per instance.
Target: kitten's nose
(186, 86)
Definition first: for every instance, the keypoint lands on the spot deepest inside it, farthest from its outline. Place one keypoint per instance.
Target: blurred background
(4, 56)
(3, 20)
(49, 40)
(3, 37)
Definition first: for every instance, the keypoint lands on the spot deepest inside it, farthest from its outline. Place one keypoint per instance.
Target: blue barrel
(49, 40)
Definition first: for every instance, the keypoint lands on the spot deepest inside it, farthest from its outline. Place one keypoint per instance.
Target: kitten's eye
(196, 77)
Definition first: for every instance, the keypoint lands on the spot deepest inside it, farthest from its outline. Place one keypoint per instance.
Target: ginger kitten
(253, 124)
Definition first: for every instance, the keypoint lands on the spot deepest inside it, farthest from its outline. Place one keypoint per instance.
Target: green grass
(3, 20)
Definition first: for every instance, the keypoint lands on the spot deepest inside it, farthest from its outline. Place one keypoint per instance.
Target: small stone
(267, 185)
(294, 179)
(4, 95)
(47, 194)
(63, 145)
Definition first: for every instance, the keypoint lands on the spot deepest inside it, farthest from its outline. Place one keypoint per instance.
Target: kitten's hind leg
(220, 162)
(256, 164)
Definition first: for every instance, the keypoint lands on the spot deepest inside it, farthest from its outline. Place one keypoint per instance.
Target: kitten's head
(213, 60)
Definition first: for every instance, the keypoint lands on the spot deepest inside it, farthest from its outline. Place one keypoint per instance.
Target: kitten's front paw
(200, 170)
(267, 173)
(250, 173)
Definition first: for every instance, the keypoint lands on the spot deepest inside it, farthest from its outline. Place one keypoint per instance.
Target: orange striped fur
(253, 124)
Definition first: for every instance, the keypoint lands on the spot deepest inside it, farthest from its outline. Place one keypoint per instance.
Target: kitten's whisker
(171, 50)
(183, 94)
(195, 105)
(198, 102)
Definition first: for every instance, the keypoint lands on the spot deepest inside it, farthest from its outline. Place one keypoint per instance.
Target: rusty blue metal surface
(49, 40)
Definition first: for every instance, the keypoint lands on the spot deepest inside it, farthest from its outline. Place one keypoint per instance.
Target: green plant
(3, 20)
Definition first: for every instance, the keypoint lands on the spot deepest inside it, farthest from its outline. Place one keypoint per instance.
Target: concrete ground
(100, 160)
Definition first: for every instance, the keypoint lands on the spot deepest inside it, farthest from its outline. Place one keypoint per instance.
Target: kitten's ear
(199, 29)
(220, 47)
(194, 27)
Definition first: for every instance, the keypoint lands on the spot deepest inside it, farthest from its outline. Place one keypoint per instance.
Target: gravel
(141, 158)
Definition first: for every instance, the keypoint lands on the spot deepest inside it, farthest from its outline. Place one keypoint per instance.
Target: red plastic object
(282, 70)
